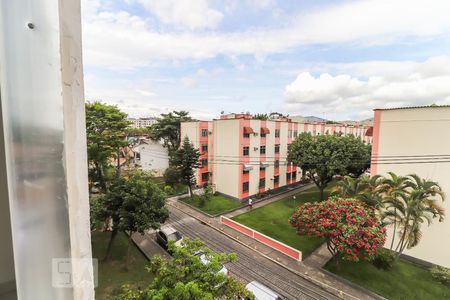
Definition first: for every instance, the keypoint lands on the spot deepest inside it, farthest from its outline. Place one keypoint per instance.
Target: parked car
(205, 260)
(166, 234)
(262, 292)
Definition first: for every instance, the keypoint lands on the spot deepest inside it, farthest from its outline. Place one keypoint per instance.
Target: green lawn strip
(216, 205)
(112, 274)
(404, 281)
(177, 188)
(272, 220)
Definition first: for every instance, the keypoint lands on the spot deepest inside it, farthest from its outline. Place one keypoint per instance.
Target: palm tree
(415, 208)
(364, 188)
(349, 187)
(392, 188)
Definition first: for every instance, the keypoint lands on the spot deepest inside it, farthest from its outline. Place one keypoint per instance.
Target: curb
(354, 285)
(330, 289)
(237, 208)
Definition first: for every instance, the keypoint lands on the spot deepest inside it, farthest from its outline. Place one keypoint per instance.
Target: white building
(142, 122)
(151, 156)
(416, 140)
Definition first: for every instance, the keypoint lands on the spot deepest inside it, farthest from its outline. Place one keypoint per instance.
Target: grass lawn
(177, 189)
(404, 281)
(216, 205)
(272, 220)
(112, 274)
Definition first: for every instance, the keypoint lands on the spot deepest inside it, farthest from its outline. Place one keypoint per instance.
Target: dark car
(166, 234)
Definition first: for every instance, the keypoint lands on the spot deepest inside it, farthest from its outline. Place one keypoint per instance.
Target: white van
(262, 292)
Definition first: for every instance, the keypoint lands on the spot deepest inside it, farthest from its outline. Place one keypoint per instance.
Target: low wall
(268, 241)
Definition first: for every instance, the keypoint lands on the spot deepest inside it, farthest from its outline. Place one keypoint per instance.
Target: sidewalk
(309, 269)
(264, 202)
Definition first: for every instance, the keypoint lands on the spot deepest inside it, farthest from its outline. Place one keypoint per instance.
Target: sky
(332, 59)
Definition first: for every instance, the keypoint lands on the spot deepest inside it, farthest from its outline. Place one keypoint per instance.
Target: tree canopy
(186, 277)
(105, 127)
(186, 159)
(134, 203)
(324, 156)
(168, 129)
(349, 227)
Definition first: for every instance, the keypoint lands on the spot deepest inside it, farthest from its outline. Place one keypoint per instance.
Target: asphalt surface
(250, 266)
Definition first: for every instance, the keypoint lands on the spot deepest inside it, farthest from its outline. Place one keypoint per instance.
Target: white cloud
(190, 14)
(119, 40)
(189, 82)
(413, 84)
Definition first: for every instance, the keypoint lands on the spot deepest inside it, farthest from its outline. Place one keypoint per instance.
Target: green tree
(261, 117)
(393, 188)
(364, 188)
(320, 157)
(168, 129)
(186, 159)
(349, 227)
(105, 126)
(358, 153)
(186, 277)
(172, 176)
(134, 203)
(417, 205)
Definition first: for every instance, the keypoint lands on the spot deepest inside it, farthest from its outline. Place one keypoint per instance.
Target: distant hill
(319, 120)
(307, 119)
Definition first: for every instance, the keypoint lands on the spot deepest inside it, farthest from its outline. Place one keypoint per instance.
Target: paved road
(250, 266)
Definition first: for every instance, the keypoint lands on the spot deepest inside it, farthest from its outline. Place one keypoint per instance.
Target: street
(249, 266)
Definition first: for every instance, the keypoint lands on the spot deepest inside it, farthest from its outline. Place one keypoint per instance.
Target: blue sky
(332, 59)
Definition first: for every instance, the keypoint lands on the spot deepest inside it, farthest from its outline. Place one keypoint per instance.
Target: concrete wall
(227, 151)
(153, 157)
(418, 132)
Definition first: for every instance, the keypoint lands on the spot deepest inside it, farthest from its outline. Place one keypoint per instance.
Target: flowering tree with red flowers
(349, 226)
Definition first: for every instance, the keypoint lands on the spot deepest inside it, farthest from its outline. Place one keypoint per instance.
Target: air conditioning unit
(255, 148)
(255, 134)
(209, 132)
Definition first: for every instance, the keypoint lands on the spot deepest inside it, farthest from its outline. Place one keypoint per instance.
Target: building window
(204, 132)
(288, 176)
(294, 176)
(205, 176)
(263, 135)
(277, 148)
(245, 151)
(262, 149)
(204, 162)
(276, 179)
(245, 187)
(245, 172)
(295, 133)
(289, 133)
(138, 155)
(204, 147)
(276, 164)
(262, 182)
(277, 133)
(246, 135)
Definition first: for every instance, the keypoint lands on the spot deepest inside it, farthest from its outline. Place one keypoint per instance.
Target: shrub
(168, 190)
(384, 259)
(172, 176)
(441, 274)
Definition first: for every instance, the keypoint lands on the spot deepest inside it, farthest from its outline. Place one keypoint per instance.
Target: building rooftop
(414, 107)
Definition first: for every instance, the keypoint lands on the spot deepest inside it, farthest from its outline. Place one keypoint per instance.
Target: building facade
(242, 156)
(142, 122)
(411, 141)
(151, 156)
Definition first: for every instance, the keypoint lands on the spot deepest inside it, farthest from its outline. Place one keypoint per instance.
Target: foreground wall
(402, 140)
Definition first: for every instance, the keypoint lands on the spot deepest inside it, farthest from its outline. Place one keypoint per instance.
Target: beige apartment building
(242, 156)
(417, 140)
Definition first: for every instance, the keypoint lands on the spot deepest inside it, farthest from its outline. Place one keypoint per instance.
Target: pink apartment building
(241, 156)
